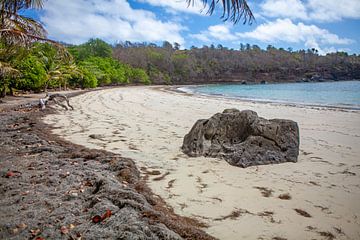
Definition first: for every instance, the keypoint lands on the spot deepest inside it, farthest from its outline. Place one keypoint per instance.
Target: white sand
(148, 125)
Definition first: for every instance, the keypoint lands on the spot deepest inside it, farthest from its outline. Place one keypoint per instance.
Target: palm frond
(18, 29)
(6, 70)
(15, 5)
(18, 37)
(233, 10)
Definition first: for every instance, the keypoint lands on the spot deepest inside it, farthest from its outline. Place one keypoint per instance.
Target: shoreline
(177, 88)
(147, 124)
(52, 188)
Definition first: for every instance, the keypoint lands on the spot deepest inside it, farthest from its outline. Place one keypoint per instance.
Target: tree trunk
(11, 92)
(3, 92)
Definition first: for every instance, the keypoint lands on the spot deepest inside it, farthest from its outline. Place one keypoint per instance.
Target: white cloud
(284, 30)
(174, 6)
(284, 8)
(333, 10)
(219, 32)
(318, 10)
(201, 36)
(112, 20)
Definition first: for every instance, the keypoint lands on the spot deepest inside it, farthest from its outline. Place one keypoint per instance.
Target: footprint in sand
(201, 186)
(265, 192)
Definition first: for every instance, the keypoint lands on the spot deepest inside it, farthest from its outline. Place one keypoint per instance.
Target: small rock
(96, 136)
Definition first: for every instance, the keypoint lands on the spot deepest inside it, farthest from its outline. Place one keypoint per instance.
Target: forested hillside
(96, 63)
(250, 64)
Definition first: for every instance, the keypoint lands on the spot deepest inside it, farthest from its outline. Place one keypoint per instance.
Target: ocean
(343, 94)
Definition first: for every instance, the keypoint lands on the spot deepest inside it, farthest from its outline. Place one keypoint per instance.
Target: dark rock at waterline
(243, 139)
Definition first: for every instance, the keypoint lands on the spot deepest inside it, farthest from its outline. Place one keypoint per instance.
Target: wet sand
(319, 195)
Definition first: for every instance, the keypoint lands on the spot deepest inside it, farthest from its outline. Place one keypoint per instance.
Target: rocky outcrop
(243, 139)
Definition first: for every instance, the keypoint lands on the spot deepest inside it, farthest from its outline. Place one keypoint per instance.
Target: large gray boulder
(243, 139)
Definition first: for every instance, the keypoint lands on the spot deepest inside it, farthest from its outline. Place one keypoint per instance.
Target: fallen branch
(54, 97)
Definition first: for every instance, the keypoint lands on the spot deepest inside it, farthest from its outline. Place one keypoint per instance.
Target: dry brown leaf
(96, 219)
(22, 226)
(64, 230)
(35, 232)
(107, 214)
(9, 174)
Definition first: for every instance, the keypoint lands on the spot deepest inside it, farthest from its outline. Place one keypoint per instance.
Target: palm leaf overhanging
(16, 29)
(233, 10)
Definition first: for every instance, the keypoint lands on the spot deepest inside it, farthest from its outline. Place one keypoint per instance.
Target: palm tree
(233, 10)
(16, 29)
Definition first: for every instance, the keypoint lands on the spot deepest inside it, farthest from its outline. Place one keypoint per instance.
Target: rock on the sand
(243, 139)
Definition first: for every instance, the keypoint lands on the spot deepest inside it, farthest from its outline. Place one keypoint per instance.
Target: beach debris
(35, 232)
(327, 235)
(9, 174)
(234, 214)
(98, 218)
(171, 184)
(284, 196)
(279, 238)
(97, 136)
(266, 192)
(64, 230)
(161, 177)
(243, 139)
(302, 213)
(54, 97)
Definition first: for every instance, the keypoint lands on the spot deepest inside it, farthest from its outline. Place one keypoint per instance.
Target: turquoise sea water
(337, 94)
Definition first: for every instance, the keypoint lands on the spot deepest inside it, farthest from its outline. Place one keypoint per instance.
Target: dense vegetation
(26, 64)
(89, 65)
(168, 64)
(96, 63)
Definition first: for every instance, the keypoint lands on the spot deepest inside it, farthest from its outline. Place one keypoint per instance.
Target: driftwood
(54, 97)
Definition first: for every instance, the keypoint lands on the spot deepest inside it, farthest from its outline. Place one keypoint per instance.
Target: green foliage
(33, 74)
(180, 56)
(88, 79)
(45, 52)
(154, 55)
(139, 75)
(106, 70)
(41, 66)
(92, 48)
(110, 71)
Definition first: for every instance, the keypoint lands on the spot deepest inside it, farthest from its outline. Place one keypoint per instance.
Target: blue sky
(327, 25)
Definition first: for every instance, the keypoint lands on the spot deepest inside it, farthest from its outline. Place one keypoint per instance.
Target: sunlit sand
(147, 124)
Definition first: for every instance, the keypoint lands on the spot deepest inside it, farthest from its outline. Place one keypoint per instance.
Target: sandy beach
(319, 195)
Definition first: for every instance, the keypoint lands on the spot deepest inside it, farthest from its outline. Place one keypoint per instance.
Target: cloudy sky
(327, 25)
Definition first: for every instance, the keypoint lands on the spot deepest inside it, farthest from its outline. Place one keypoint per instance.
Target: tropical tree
(16, 29)
(18, 32)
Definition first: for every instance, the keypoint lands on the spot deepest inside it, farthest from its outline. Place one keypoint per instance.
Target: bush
(33, 74)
